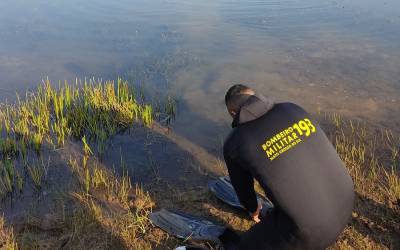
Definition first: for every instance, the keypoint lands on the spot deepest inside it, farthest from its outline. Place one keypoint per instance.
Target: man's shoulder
(243, 134)
(288, 110)
(289, 105)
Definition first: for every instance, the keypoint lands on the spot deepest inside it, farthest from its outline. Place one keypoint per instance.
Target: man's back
(300, 171)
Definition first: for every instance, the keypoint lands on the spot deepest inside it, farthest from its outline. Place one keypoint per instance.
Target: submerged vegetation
(91, 109)
(89, 112)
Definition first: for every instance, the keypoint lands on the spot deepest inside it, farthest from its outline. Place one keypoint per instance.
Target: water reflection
(339, 56)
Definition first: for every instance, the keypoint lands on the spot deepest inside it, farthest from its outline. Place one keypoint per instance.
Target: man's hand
(256, 215)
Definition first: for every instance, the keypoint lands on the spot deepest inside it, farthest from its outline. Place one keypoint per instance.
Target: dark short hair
(234, 92)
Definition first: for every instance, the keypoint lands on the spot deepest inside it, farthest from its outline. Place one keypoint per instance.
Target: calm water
(337, 56)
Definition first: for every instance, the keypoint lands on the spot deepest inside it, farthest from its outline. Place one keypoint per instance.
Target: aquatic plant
(9, 148)
(6, 184)
(37, 140)
(165, 110)
(147, 115)
(170, 110)
(92, 109)
(7, 174)
(38, 172)
(101, 139)
(21, 129)
(19, 181)
(1, 122)
(7, 119)
(23, 151)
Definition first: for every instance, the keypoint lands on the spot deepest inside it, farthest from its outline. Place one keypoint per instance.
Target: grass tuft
(38, 172)
(7, 239)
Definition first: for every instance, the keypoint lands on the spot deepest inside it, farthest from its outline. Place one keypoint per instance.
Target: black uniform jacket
(286, 151)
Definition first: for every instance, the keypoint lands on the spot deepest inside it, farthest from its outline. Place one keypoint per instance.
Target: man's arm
(243, 183)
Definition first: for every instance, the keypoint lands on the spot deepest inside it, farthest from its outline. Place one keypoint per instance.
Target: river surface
(338, 56)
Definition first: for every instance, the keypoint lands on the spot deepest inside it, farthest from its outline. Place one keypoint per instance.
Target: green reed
(6, 177)
(170, 110)
(7, 120)
(101, 138)
(37, 140)
(90, 109)
(23, 151)
(38, 172)
(19, 181)
(9, 148)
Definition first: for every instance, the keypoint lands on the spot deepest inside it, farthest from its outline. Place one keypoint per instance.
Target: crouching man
(286, 151)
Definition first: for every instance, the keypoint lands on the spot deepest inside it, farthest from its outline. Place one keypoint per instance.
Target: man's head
(236, 96)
